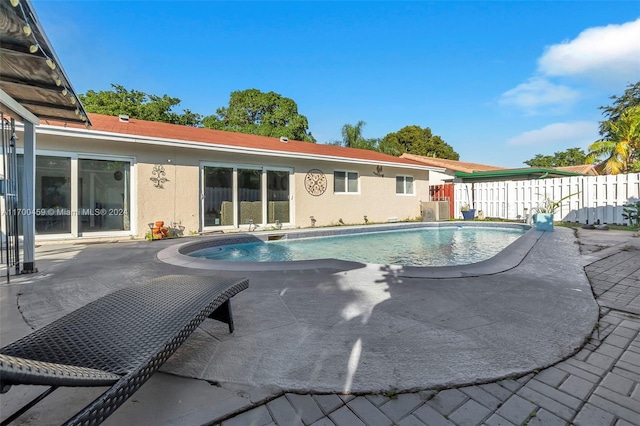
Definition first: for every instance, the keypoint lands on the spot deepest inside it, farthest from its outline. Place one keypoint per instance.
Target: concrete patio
(370, 345)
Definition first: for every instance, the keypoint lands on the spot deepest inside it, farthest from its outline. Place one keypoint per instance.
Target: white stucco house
(121, 175)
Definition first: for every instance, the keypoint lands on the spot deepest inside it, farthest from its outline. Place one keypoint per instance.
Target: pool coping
(510, 257)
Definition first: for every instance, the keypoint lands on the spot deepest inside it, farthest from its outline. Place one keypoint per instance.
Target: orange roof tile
(585, 169)
(153, 129)
(458, 166)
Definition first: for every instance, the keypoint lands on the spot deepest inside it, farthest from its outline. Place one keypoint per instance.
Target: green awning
(514, 174)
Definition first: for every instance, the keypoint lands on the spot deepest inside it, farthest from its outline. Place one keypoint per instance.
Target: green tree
(268, 114)
(612, 113)
(352, 134)
(352, 137)
(419, 141)
(137, 104)
(390, 146)
(621, 148)
(371, 144)
(189, 118)
(570, 157)
(540, 161)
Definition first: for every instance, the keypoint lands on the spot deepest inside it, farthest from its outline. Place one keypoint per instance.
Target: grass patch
(612, 227)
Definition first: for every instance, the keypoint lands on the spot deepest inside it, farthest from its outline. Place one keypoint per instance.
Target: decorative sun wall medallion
(158, 177)
(316, 182)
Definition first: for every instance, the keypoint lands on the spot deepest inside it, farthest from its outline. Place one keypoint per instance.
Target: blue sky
(500, 81)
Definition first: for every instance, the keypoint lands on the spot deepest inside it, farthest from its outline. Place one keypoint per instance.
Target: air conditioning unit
(435, 211)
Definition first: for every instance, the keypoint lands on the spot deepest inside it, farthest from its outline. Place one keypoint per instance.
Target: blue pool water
(437, 246)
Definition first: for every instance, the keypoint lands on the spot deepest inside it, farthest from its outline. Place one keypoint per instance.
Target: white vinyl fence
(595, 198)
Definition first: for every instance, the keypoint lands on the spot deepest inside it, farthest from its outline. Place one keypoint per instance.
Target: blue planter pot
(468, 214)
(543, 221)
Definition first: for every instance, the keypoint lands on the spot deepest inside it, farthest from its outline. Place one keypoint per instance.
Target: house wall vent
(283, 139)
(124, 118)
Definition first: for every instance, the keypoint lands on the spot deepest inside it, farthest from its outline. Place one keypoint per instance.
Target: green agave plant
(550, 206)
(631, 212)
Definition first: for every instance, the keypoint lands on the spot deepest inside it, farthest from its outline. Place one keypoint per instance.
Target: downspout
(473, 189)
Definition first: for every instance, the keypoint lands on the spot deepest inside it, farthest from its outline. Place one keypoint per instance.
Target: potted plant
(467, 212)
(543, 214)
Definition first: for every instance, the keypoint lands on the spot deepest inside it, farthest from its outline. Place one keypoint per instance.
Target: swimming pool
(421, 246)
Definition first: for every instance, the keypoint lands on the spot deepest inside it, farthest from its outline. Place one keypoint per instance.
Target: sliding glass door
(97, 200)
(277, 196)
(218, 196)
(53, 195)
(104, 196)
(243, 196)
(249, 196)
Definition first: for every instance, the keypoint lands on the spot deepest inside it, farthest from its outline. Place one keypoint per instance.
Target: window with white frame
(345, 182)
(404, 185)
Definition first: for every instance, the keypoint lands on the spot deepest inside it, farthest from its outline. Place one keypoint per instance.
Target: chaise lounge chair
(119, 340)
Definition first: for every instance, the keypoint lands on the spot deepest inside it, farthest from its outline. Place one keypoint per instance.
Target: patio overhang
(33, 87)
(514, 174)
(33, 83)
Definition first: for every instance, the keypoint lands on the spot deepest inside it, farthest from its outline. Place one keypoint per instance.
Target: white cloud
(609, 55)
(612, 52)
(537, 93)
(566, 135)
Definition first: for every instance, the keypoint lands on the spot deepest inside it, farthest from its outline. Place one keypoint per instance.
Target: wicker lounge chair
(119, 340)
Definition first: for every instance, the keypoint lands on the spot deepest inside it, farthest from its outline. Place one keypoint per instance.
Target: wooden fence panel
(593, 198)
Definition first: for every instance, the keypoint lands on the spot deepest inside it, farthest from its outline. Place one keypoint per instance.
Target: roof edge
(132, 138)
